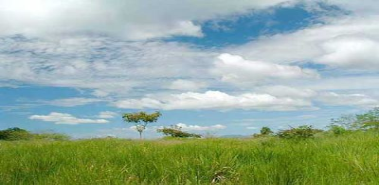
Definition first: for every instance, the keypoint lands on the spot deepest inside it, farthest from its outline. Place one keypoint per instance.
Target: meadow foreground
(349, 159)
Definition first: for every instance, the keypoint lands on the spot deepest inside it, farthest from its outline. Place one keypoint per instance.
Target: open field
(348, 159)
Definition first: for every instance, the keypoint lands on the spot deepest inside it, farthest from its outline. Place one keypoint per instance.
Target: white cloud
(129, 19)
(72, 102)
(216, 100)
(354, 52)
(187, 85)
(237, 70)
(347, 42)
(362, 7)
(360, 100)
(186, 127)
(62, 118)
(285, 91)
(115, 70)
(101, 64)
(107, 114)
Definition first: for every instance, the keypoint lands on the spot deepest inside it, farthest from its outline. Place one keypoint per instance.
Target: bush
(337, 130)
(301, 132)
(176, 132)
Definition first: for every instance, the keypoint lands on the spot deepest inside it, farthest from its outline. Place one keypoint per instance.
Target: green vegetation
(176, 132)
(301, 132)
(14, 134)
(138, 117)
(347, 153)
(264, 132)
(325, 159)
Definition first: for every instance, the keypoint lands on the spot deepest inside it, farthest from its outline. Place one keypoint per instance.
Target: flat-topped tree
(141, 120)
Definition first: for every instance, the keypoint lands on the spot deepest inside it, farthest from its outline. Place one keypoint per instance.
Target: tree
(346, 121)
(13, 134)
(141, 120)
(266, 131)
(176, 131)
(368, 120)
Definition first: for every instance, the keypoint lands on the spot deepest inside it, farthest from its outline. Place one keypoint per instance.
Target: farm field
(351, 158)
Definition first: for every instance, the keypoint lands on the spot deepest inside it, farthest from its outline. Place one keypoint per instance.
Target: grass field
(347, 159)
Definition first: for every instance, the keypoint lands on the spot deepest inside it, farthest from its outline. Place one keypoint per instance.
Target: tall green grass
(347, 159)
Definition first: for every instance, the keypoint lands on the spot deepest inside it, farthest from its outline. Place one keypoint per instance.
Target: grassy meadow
(351, 158)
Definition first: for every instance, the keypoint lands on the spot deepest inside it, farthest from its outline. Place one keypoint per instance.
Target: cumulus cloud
(216, 100)
(235, 69)
(186, 127)
(349, 42)
(62, 118)
(128, 19)
(354, 52)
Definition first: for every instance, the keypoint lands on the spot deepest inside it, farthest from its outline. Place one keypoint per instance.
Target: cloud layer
(216, 100)
(62, 118)
(128, 19)
(126, 64)
(186, 127)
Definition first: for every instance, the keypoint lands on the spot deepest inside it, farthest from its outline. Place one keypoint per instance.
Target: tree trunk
(140, 135)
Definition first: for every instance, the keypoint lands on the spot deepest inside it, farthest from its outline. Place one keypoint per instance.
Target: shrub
(301, 132)
(337, 130)
(176, 132)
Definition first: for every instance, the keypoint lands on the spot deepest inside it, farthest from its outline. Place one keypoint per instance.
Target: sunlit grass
(348, 159)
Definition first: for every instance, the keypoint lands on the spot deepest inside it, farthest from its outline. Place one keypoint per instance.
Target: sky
(213, 67)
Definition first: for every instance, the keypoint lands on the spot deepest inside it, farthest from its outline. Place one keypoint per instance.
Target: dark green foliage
(301, 132)
(13, 134)
(175, 132)
(143, 117)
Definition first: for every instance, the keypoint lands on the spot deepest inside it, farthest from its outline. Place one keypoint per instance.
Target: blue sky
(214, 67)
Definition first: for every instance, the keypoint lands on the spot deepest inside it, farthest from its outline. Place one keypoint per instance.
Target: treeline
(14, 134)
(343, 125)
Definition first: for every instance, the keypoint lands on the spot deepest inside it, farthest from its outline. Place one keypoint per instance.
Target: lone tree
(141, 120)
